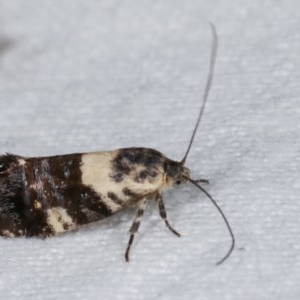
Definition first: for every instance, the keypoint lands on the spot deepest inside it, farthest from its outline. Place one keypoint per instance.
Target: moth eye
(178, 182)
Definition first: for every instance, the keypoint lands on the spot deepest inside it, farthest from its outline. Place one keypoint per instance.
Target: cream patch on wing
(59, 219)
(96, 171)
(7, 233)
(22, 162)
(37, 204)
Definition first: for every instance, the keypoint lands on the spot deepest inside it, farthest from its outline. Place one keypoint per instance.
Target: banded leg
(135, 225)
(163, 214)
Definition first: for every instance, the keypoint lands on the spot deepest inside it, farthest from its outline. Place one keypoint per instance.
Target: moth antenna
(213, 55)
(223, 216)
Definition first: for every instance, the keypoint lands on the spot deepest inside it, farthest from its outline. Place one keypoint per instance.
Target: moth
(46, 196)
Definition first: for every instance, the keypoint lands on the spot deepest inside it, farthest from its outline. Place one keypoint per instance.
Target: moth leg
(163, 214)
(135, 225)
(206, 181)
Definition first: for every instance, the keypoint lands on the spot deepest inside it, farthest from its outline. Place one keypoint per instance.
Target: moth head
(176, 173)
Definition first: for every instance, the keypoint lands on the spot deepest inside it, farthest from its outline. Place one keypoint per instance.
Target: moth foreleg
(135, 225)
(163, 214)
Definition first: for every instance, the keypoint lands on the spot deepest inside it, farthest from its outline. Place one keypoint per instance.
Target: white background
(80, 76)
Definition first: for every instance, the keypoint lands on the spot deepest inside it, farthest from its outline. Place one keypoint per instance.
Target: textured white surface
(97, 75)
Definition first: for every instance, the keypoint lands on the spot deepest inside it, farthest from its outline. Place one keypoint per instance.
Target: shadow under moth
(46, 196)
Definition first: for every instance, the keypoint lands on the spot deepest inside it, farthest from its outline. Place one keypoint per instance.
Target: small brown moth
(45, 196)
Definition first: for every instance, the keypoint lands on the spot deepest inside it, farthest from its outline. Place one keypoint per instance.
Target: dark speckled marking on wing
(128, 159)
(115, 198)
(129, 193)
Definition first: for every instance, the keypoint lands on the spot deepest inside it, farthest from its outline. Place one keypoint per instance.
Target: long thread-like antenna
(208, 85)
(223, 216)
